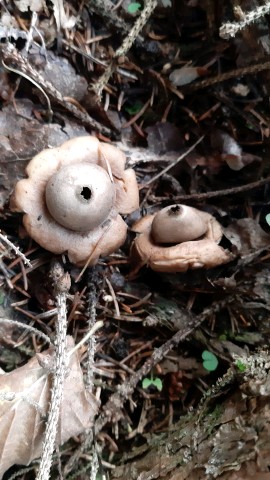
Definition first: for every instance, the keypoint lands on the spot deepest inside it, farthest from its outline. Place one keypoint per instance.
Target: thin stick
(171, 165)
(219, 193)
(112, 410)
(14, 61)
(26, 327)
(223, 77)
(85, 339)
(92, 295)
(16, 250)
(228, 30)
(150, 5)
(23, 74)
(62, 285)
(93, 326)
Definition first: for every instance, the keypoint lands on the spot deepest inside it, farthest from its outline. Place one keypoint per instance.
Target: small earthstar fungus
(73, 197)
(176, 239)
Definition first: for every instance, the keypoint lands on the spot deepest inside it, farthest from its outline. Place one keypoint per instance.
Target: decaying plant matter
(23, 409)
(153, 347)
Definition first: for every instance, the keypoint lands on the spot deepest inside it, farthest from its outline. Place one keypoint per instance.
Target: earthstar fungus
(73, 196)
(177, 238)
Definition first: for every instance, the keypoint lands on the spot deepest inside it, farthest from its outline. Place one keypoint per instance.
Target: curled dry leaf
(22, 420)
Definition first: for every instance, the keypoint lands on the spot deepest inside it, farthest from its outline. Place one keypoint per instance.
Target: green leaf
(222, 337)
(134, 7)
(146, 383)
(241, 366)
(2, 297)
(135, 108)
(267, 218)
(210, 361)
(158, 384)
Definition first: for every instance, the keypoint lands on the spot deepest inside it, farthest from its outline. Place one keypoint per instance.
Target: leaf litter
(165, 97)
(23, 413)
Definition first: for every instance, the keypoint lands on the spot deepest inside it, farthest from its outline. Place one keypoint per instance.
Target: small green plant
(223, 337)
(156, 382)
(210, 361)
(134, 108)
(134, 7)
(241, 366)
(2, 297)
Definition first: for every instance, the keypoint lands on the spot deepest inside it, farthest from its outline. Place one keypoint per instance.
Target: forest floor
(182, 88)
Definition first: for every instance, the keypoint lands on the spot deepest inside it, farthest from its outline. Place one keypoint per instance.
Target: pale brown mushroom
(178, 223)
(177, 238)
(86, 199)
(73, 196)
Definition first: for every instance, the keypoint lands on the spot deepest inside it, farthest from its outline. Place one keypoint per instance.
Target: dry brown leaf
(247, 236)
(164, 137)
(28, 138)
(62, 75)
(22, 421)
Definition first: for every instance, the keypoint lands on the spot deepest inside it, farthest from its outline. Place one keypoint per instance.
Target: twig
(11, 396)
(104, 9)
(92, 298)
(121, 71)
(219, 193)
(239, 72)
(16, 250)
(91, 313)
(111, 411)
(22, 472)
(137, 115)
(26, 327)
(62, 285)
(150, 5)
(228, 30)
(23, 74)
(14, 61)
(256, 367)
(171, 165)
(94, 463)
(115, 302)
(85, 339)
